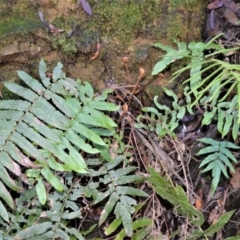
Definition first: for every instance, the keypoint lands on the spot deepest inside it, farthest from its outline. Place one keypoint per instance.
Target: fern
(32, 222)
(119, 197)
(218, 159)
(225, 113)
(163, 119)
(47, 129)
(177, 197)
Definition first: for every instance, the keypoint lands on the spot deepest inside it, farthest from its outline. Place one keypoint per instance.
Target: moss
(123, 18)
(18, 21)
(185, 27)
(67, 45)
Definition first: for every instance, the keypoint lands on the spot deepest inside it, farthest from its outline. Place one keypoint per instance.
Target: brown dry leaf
(125, 108)
(230, 16)
(219, 210)
(141, 73)
(199, 200)
(214, 215)
(55, 30)
(113, 148)
(214, 5)
(198, 204)
(235, 180)
(96, 55)
(181, 150)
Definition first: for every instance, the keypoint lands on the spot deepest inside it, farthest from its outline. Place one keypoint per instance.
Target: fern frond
(118, 196)
(218, 159)
(49, 126)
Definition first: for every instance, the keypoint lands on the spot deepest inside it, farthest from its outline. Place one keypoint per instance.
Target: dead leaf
(198, 204)
(45, 24)
(96, 55)
(230, 16)
(215, 4)
(85, 6)
(55, 30)
(199, 200)
(125, 108)
(113, 149)
(235, 180)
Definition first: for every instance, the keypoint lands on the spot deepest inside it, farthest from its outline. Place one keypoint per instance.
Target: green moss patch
(18, 21)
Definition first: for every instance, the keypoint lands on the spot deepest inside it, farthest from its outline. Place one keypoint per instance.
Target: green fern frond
(163, 119)
(54, 119)
(218, 159)
(45, 224)
(120, 198)
(176, 196)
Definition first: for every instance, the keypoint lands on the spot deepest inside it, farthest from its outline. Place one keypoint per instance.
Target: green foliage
(47, 129)
(194, 51)
(30, 221)
(67, 45)
(206, 91)
(218, 159)
(142, 227)
(19, 21)
(225, 113)
(120, 198)
(171, 56)
(163, 119)
(177, 197)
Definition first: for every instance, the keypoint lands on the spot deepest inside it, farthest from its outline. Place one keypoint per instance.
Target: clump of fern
(46, 131)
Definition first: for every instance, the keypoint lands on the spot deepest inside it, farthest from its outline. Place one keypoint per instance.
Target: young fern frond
(163, 119)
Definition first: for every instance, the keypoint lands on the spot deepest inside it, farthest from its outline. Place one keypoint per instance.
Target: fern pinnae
(60, 103)
(42, 128)
(121, 172)
(218, 160)
(57, 72)
(27, 146)
(10, 115)
(124, 211)
(79, 142)
(124, 190)
(88, 133)
(113, 199)
(44, 134)
(18, 105)
(5, 195)
(127, 179)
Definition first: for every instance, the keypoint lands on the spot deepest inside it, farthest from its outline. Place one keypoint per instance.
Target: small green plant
(29, 220)
(163, 119)
(218, 159)
(177, 197)
(120, 198)
(193, 51)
